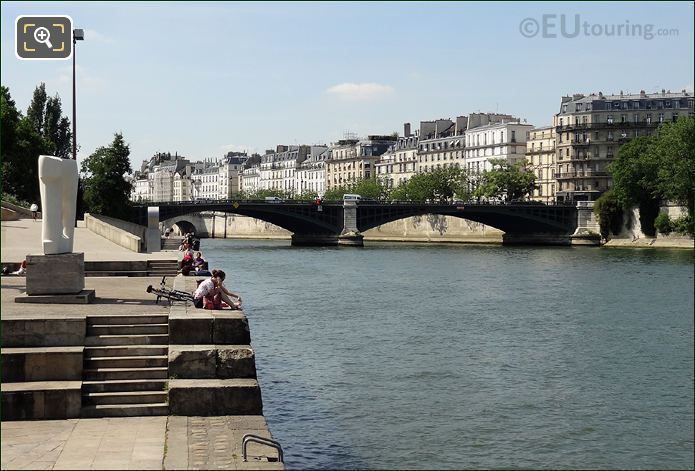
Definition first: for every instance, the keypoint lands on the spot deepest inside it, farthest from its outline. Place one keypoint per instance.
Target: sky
(202, 79)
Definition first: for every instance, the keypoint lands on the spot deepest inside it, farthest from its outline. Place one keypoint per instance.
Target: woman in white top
(214, 290)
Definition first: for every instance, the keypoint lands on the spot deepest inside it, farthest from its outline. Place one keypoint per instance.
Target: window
(513, 136)
(649, 119)
(609, 119)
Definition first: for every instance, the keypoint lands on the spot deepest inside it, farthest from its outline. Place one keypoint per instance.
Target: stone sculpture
(58, 185)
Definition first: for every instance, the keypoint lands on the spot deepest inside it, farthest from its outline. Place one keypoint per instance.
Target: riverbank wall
(631, 234)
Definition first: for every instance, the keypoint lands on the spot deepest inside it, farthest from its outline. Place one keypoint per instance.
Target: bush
(610, 214)
(12, 199)
(662, 223)
(683, 225)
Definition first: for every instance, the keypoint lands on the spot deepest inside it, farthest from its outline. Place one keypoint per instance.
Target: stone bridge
(343, 222)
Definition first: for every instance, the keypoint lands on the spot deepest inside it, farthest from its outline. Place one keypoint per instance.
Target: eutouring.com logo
(551, 26)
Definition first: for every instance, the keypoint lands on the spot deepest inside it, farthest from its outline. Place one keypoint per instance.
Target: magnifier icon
(43, 36)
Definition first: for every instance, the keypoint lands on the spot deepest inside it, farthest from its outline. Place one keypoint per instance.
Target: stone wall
(428, 228)
(19, 210)
(125, 234)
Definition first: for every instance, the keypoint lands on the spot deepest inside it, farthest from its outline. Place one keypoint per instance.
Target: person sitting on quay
(212, 292)
(20, 272)
(198, 261)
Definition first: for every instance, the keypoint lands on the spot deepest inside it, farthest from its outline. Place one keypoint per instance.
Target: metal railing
(248, 438)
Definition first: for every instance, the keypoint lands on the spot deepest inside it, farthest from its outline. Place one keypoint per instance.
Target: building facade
(590, 130)
(311, 173)
(355, 159)
(504, 140)
(399, 163)
(540, 153)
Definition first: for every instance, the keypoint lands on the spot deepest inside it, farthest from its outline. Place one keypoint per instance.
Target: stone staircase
(171, 243)
(125, 366)
(162, 267)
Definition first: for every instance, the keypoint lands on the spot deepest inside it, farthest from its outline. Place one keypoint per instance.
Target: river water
(459, 356)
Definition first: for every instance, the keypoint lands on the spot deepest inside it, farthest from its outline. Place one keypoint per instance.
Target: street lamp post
(77, 35)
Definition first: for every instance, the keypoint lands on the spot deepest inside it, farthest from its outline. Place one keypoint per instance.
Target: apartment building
(590, 130)
(441, 144)
(540, 153)
(311, 173)
(502, 137)
(355, 159)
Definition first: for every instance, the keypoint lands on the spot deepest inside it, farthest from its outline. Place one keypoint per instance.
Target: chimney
(663, 91)
(600, 94)
(406, 129)
(642, 94)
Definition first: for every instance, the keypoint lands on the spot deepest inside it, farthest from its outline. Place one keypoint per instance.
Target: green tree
(37, 108)
(513, 180)
(21, 147)
(609, 211)
(674, 147)
(56, 128)
(442, 184)
(106, 191)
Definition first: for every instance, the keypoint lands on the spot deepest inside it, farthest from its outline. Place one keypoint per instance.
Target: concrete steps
(131, 319)
(126, 329)
(172, 243)
(113, 340)
(125, 366)
(107, 374)
(125, 350)
(125, 410)
(132, 361)
(125, 397)
(124, 385)
(162, 267)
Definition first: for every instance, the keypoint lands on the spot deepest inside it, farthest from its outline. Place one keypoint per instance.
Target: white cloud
(360, 91)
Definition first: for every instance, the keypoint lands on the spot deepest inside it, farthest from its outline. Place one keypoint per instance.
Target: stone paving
(22, 237)
(110, 443)
(136, 443)
(121, 295)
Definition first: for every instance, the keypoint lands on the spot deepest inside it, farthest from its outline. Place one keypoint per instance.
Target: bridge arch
(184, 226)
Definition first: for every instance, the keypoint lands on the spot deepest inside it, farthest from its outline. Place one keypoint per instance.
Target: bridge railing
(362, 202)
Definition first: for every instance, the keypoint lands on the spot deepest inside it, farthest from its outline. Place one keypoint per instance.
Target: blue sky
(203, 78)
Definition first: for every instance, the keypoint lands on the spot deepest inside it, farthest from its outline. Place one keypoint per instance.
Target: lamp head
(78, 34)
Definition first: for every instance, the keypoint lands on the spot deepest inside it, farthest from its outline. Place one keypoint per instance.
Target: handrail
(263, 441)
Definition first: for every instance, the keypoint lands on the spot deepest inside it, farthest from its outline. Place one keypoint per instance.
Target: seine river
(455, 356)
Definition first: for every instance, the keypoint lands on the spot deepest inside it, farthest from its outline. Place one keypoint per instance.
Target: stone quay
(124, 383)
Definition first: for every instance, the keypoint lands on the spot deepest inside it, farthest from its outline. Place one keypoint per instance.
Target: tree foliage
(652, 170)
(442, 184)
(24, 138)
(367, 188)
(511, 180)
(106, 191)
(610, 214)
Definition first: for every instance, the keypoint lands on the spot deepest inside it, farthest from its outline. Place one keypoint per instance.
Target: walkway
(22, 237)
(135, 443)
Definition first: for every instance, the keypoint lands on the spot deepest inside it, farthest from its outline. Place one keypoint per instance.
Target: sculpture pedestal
(61, 276)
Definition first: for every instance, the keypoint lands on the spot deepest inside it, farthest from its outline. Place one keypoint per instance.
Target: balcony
(580, 174)
(612, 125)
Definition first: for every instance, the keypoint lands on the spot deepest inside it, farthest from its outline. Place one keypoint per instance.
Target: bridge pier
(314, 240)
(536, 239)
(351, 240)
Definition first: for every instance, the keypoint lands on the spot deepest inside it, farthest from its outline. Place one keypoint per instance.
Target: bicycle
(169, 294)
